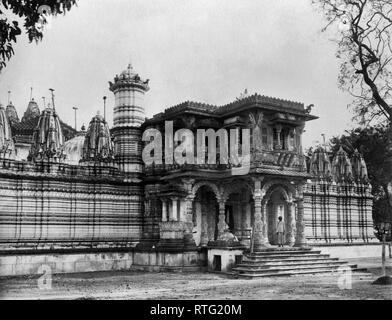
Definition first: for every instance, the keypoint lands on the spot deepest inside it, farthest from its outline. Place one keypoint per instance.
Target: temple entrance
(239, 214)
(205, 216)
(279, 205)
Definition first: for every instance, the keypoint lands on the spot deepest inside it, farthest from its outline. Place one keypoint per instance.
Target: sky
(201, 50)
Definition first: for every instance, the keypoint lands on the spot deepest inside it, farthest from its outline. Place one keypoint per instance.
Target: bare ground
(143, 285)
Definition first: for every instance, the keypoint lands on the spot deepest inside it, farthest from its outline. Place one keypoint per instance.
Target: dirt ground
(143, 285)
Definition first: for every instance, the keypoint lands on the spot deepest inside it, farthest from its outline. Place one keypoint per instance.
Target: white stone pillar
(164, 210)
(173, 213)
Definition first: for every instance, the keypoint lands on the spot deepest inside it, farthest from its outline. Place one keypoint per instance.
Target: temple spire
(9, 96)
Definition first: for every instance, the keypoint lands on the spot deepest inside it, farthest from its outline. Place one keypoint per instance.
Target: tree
(373, 144)
(35, 14)
(364, 29)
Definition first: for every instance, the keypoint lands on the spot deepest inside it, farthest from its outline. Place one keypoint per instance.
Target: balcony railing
(269, 158)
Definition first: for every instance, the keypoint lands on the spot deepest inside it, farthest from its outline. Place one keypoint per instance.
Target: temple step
(286, 273)
(275, 268)
(287, 262)
(284, 256)
(287, 259)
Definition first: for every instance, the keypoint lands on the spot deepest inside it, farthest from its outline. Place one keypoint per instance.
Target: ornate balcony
(270, 159)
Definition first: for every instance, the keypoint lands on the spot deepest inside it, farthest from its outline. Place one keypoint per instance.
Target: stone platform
(288, 261)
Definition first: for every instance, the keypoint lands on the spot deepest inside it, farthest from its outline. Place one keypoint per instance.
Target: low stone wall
(352, 251)
(38, 264)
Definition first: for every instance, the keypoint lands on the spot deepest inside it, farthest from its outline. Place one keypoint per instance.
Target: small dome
(48, 138)
(128, 72)
(7, 147)
(73, 149)
(98, 145)
(11, 112)
(32, 111)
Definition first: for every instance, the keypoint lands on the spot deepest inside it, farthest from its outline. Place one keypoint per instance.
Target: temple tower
(48, 138)
(7, 147)
(98, 146)
(129, 114)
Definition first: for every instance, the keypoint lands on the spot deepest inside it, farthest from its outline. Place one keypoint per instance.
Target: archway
(278, 203)
(239, 211)
(205, 215)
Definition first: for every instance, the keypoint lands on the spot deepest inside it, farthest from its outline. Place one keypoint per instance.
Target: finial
(43, 100)
(9, 96)
(31, 93)
(75, 108)
(52, 90)
(104, 108)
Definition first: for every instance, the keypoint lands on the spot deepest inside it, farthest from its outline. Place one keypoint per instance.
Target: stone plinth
(172, 236)
(225, 258)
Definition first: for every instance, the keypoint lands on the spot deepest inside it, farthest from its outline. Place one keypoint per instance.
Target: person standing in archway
(280, 230)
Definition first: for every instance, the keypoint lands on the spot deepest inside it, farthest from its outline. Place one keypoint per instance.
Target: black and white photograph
(206, 152)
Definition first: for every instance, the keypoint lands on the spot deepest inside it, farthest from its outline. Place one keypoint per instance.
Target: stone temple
(85, 201)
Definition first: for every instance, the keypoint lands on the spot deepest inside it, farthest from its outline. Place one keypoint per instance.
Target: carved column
(278, 129)
(259, 223)
(188, 232)
(300, 131)
(173, 213)
(222, 225)
(164, 210)
(204, 225)
(300, 239)
(266, 222)
(290, 235)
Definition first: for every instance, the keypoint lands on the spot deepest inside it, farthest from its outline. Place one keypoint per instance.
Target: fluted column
(300, 239)
(290, 235)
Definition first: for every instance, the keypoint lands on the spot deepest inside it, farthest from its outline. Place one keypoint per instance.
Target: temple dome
(98, 145)
(129, 78)
(48, 138)
(73, 148)
(11, 113)
(128, 72)
(7, 147)
(32, 111)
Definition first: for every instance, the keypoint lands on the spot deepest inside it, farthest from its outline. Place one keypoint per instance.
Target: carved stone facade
(338, 200)
(91, 190)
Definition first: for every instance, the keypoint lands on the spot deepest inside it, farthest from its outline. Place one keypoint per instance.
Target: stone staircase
(287, 262)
